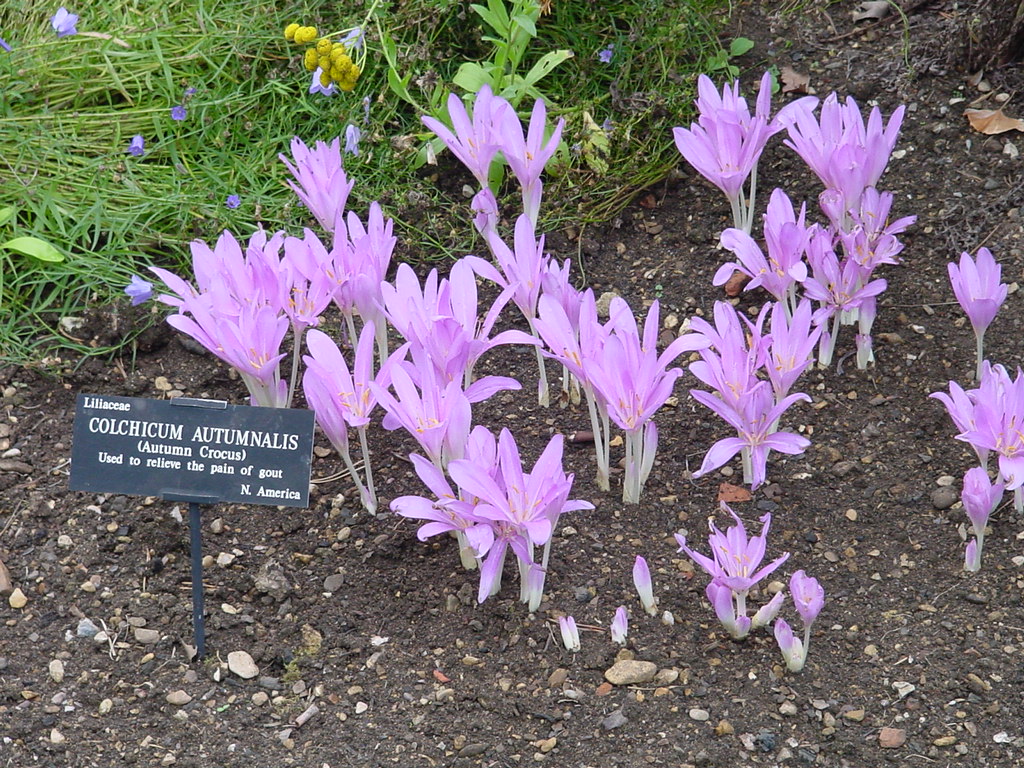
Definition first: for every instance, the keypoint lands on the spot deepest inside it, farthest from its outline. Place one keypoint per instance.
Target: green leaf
(472, 77)
(492, 20)
(34, 247)
(545, 64)
(739, 46)
(400, 86)
(6, 214)
(526, 23)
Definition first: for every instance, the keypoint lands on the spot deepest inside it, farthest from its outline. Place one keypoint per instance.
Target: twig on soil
(10, 519)
(310, 711)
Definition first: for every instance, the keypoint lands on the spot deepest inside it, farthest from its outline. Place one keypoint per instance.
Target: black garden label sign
(186, 447)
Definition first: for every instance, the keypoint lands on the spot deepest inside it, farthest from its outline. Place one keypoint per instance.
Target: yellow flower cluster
(333, 59)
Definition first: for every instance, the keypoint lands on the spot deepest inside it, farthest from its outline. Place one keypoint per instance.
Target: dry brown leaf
(6, 587)
(730, 493)
(793, 81)
(992, 121)
(874, 9)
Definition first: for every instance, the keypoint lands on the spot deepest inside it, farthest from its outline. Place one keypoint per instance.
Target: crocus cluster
(245, 300)
(737, 350)
(833, 265)
(622, 374)
(495, 128)
(989, 418)
(498, 506)
(733, 568)
(726, 142)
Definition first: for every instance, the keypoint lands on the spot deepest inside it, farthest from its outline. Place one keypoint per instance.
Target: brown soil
(406, 669)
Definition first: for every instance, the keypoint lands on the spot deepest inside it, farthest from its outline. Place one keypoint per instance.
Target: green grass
(69, 107)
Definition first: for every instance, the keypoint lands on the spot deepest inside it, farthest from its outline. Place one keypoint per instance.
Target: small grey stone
(843, 468)
(944, 498)
(270, 683)
(270, 578)
(582, 594)
(86, 628)
(333, 582)
(700, 715)
(614, 720)
(147, 636)
(178, 698)
(473, 750)
(765, 741)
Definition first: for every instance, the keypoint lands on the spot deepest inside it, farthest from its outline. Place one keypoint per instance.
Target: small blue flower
(63, 23)
(140, 290)
(353, 41)
(179, 112)
(317, 87)
(232, 202)
(352, 137)
(4, 45)
(605, 54)
(190, 92)
(137, 146)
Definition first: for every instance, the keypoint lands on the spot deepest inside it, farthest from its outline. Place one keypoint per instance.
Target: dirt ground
(371, 647)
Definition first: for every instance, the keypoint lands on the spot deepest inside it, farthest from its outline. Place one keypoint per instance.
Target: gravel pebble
(241, 664)
(631, 672)
(614, 720)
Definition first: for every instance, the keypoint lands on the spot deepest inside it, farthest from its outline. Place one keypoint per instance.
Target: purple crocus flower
(473, 141)
(528, 155)
(4, 45)
(606, 53)
(523, 509)
(322, 184)
(620, 625)
(793, 650)
(786, 236)
(178, 112)
(342, 399)
(808, 596)
(634, 381)
(522, 270)
(726, 142)
(729, 365)
(734, 557)
(977, 286)
(437, 417)
(232, 201)
(63, 23)
(249, 341)
(139, 290)
(452, 512)
(997, 415)
(732, 570)
(644, 587)
(792, 346)
(847, 155)
(721, 599)
(756, 424)
(980, 498)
